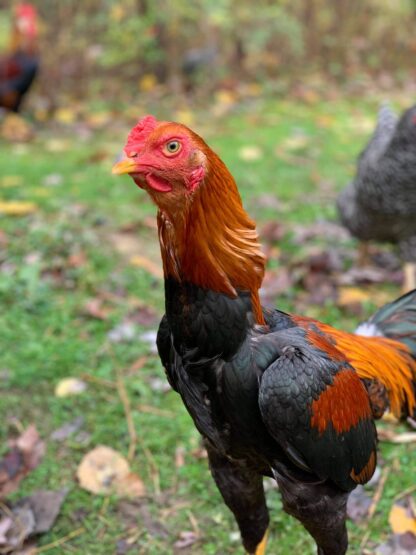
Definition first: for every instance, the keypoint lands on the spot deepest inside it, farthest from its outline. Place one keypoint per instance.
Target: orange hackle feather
(213, 243)
(376, 358)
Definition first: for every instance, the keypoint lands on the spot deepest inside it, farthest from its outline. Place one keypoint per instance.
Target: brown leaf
(129, 486)
(94, 309)
(25, 454)
(77, 260)
(103, 470)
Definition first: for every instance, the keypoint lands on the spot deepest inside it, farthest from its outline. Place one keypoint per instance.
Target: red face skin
(163, 158)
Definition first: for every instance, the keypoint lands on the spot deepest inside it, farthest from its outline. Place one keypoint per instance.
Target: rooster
(19, 68)
(380, 204)
(273, 394)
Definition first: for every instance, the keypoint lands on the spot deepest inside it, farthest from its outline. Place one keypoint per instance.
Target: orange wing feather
(385, 360)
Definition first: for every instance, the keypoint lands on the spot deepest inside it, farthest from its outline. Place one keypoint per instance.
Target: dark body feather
(380, 204)
(257, 396)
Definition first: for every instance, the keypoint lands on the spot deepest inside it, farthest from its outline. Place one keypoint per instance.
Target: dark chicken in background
(380, 204)
(19, 67)
(272, 394)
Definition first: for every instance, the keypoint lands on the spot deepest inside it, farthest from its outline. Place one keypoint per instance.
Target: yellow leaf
(352, 295)
(250, 153)
(185, 116)
(117, 12)
(103, 470)
(297, 142)
(70, 386)
(148, 82)
(148, 265)
(402, 520)
(11, 180)
(17, 208)
(56, 145)
(225, 97)
(65, 115)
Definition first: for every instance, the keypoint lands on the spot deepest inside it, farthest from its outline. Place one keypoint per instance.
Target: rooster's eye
(172, 147)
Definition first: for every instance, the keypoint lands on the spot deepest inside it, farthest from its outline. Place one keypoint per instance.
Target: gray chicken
(380, 204)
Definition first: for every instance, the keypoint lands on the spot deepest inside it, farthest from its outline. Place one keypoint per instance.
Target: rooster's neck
(214, 244)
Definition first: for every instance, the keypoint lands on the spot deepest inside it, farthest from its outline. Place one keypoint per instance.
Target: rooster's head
(166, 159)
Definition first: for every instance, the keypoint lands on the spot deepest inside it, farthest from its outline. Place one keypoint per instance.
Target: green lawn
(77, 246)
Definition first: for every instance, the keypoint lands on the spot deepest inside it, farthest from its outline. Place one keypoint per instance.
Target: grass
(307, 154)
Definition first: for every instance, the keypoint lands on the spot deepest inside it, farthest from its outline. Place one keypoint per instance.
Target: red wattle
(158, 183)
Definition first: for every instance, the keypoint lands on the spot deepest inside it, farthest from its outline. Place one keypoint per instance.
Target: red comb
(28, 15)
(140, 132)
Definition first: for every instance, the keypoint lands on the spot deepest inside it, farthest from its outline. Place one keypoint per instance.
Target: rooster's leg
(321, 508)
(243, 493)
(409, 283)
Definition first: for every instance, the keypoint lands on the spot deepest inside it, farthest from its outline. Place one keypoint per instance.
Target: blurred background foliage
(197, 47)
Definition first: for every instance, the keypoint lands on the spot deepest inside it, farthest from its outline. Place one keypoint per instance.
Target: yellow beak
(124, 166)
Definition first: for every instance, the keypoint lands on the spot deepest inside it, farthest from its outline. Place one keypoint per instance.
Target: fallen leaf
(148, 265)
(130, 486)
(103, 470)
(68, 429)
(31, 515)
(402, 517)
(352, 295)
(392, 437)
(77, 259)
(25, 454)
(94, 308)
(186, 539)
(11, 180)
(65, 115)
(14, 128)
(297, 142)
(70, 386)
(45, 506)
(56, 145)
(185, 116)
(148, 82)
(250, 153)
(145, 316)
(5, 524)
(17, 208)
